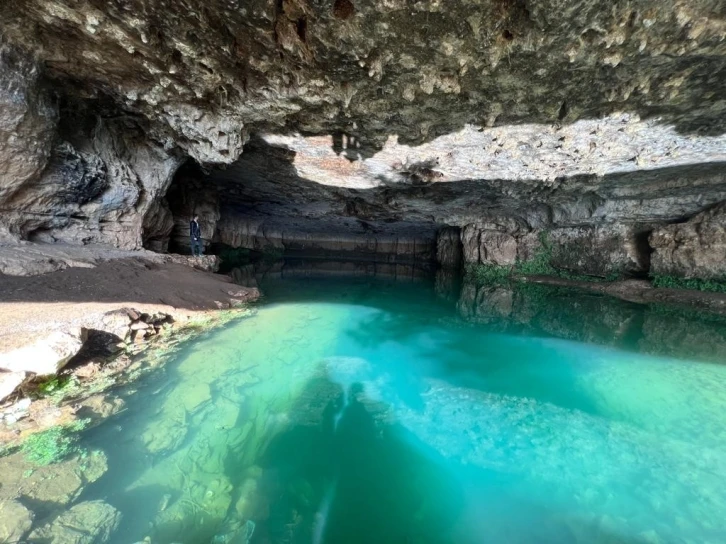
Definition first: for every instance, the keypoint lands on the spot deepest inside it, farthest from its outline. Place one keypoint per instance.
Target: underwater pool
(367, 411)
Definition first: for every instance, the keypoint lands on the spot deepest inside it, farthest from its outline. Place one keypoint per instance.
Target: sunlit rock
(54, 486)
(15, 521)
(9, 382)
(46, 356)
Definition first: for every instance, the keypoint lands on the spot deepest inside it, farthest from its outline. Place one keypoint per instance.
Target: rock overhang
(510, 115)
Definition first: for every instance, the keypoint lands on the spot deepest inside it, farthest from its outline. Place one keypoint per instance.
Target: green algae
(55, 444)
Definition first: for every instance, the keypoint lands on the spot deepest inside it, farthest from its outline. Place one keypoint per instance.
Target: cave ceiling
(202, 76)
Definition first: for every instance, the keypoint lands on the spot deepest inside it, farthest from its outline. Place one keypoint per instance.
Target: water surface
(361, 411)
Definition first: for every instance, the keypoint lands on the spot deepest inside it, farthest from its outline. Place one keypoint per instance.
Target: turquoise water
(363, 411)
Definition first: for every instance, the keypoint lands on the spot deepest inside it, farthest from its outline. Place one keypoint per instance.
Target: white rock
(44, 357)
(15, 521)
(9, 382)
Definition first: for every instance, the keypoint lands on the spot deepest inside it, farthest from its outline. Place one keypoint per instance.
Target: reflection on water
(376, 410)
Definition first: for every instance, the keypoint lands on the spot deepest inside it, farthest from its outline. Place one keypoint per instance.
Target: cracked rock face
(696, 248)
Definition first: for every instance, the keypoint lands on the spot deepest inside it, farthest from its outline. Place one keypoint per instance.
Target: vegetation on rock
(54, 444)
(539, 265)
(673, 282)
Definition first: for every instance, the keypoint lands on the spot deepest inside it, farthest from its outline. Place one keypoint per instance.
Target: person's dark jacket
(194, 231)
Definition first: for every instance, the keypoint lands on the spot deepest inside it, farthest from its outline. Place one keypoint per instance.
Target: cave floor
(80, 295)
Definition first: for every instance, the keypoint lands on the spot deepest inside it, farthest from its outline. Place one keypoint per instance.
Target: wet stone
(85, 523)
(15, 521)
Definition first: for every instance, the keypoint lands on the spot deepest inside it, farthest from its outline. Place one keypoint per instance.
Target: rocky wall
(606, 250)
(71, 175)
(694, 249)
(392, 244)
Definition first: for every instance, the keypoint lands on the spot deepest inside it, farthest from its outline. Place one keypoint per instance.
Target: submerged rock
(90, 522)
(15, 521)
(52, 486)
(235, 531)
(167, 432)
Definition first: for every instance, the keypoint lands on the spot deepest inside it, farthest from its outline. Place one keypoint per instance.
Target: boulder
(100, 406)
(17, 411)
(116, 323)
(90, 522)
(694, 249)
(15, 521)
(242, 295)
(46, 356)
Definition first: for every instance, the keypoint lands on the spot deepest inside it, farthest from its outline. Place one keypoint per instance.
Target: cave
(463, 275)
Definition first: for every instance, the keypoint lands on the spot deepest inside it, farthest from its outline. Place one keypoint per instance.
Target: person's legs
(193, 244)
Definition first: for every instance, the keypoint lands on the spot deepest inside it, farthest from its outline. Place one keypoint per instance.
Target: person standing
(195, 233)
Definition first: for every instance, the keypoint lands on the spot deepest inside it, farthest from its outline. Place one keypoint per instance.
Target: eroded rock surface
(15, 521)
(87, 522)
(361, 126)
(50, 487)
(696, 248)
(210, 73)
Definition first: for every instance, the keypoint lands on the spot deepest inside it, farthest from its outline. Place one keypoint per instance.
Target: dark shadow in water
(347, 473)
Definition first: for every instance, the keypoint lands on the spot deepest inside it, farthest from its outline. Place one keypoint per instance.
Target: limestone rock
(449, 248)
(490, 247)
(598, 251)
(206, 78)
(9, 382)
(46, 356)
(367, 148)
(116, 323)
(694, 249)
(157, 226)
(90, 522)
(28, 120)
(207, 263)
(15, 521)
(603, 250)
(167, 432)
(54, 485)
(100, 406)
(15, 412)
(245, 294)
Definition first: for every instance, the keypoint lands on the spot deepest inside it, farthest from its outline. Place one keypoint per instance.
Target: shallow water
(348, 411)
